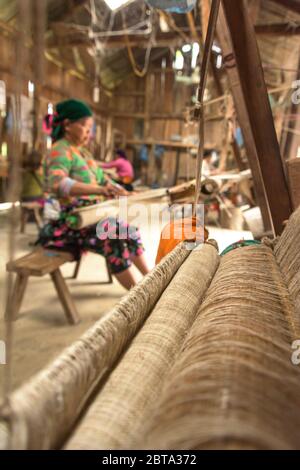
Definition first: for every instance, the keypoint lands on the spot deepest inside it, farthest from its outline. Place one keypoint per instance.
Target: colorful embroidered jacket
(67, 164)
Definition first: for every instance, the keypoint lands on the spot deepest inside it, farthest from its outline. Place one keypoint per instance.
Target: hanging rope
(199, 107)
(138, 73)
(97, 47)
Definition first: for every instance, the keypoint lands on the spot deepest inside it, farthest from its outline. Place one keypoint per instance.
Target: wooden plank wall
(59, 84)
(153, 108)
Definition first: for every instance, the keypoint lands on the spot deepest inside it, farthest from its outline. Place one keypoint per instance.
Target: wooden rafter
(163, 40)
(293, 5)
(278, 29)
(168, 39)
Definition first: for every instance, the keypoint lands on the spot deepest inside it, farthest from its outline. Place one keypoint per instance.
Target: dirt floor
(41, 331)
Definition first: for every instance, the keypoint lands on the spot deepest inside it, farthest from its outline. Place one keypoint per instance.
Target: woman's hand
(116, 190)
(104, 191)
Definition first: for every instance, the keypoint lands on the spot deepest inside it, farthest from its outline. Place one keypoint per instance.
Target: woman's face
(79, 132)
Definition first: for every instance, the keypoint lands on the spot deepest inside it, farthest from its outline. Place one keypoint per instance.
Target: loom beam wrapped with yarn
(90, 215)
(80, 218)
(206, 361)
(43, 411)
(234, 385)
(185, 192)
(137, 380)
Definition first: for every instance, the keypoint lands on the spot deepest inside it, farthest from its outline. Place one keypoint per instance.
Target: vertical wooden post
(39, 28)
(237, 154)
(109, 138)
(151, 170)
(149, 86)
(254, 111)
(220, 92)
(177, 164)
(147, 103)
(235, 86)
(205, 10)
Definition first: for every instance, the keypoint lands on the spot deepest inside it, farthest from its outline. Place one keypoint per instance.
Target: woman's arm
(83, 189)
(59, 170)
(60, 182)
(108, 165)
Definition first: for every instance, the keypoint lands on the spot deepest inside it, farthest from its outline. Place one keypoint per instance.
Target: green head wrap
(73, 110)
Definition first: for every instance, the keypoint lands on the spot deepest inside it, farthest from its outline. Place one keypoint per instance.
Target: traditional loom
(183, 193)
(197, 356)
(90, 215)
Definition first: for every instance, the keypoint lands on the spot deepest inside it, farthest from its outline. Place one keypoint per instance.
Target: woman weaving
(77, 181)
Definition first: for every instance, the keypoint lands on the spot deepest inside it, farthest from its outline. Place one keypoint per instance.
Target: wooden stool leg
(76, 270)
(65, 297)
(15, 301)
(37, 216)
(24, 219)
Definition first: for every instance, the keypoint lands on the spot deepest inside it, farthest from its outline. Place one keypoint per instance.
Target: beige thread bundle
(117, 413)
(229, 382)
(287, 254)
(43, 411)
(234, 385)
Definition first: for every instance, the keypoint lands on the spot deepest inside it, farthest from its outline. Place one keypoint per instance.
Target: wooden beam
(235, 86)
(278, 29)
(214, 71)
(129, 115)
(166, 143)
(293, 5)
(149, 86)
(169, 39)
(256, 118)
(169, 116)
(191, 22)
(39, 8)
(129, 93)
(254, 9)
(237, 155)
(205, 10)
(177, 165)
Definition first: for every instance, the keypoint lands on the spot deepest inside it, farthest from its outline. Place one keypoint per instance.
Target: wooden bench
(39, 263)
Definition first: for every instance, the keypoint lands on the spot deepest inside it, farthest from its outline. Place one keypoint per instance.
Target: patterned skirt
(117, 241)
